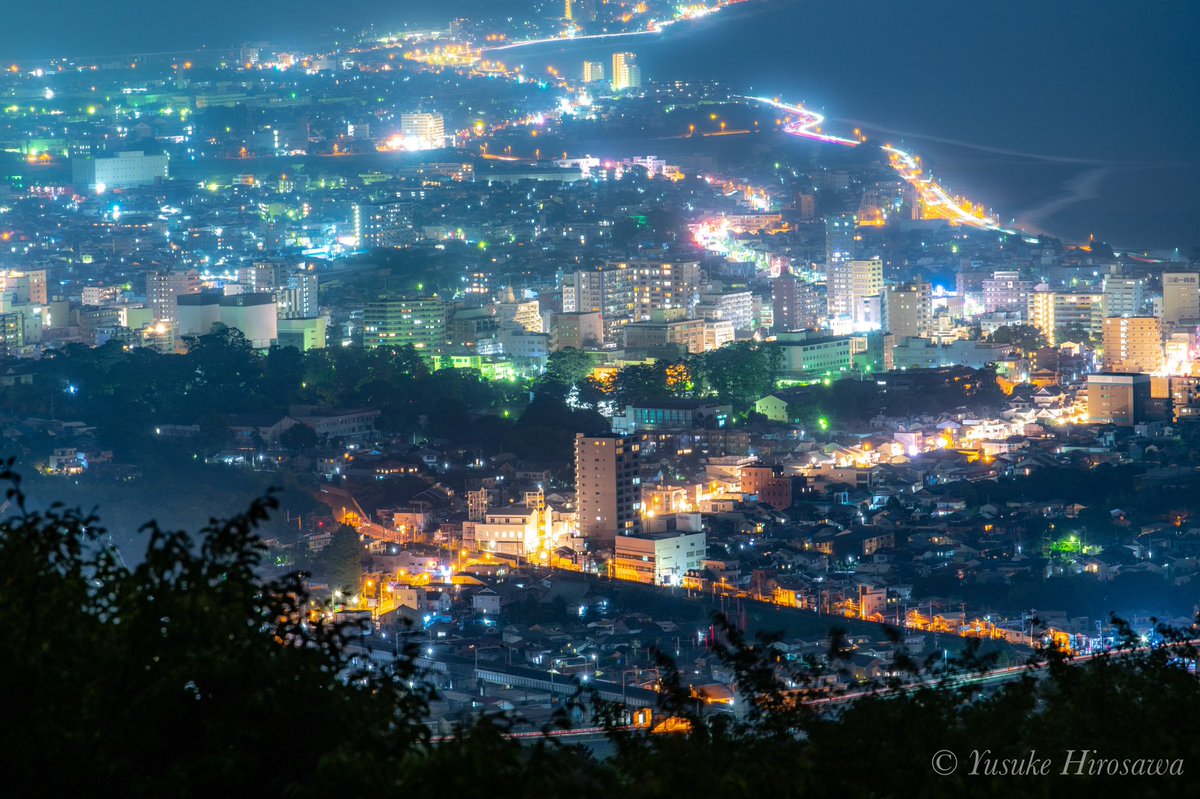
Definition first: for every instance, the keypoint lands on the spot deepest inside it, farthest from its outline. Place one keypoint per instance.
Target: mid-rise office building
(28, 286)
(768, 484)
(1118, 399)
(515, 531)
(659, 558)
(815, 356)
(1181, 298)
(12, 334)
(687, 335)
(581, 331)
(303, 334)
(733, 306)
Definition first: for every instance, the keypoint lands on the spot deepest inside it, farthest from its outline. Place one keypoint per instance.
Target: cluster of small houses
(829, 522)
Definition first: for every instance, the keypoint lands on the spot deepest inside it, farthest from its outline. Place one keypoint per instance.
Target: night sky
(1078, 116)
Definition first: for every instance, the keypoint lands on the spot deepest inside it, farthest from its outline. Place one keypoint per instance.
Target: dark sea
(1072, 117)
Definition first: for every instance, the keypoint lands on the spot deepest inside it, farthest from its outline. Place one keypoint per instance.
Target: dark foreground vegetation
(190, 674)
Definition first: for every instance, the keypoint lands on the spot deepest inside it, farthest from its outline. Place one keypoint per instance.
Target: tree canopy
(340, 563)
(127, 393)
(1024, 337)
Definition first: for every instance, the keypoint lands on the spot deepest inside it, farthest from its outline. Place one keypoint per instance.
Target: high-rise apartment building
(607, 486)
(1079, 310)
(797, 304)
(1056, 313)
(607, 291)
(1039, 311)
(1124, 296)
(1133, 344)
(624, 292)
(419, 321)
(383, 224)
(625, 72)
(593, 71)
(848, 283)
(664, 286)
(1006, 291)
(296, 297)
(426, 131)
(162, 289)
(908, 310)
(842, 239)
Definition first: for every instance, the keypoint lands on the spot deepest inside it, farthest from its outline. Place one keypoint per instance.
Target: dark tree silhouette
(298, 437)
(193, 675)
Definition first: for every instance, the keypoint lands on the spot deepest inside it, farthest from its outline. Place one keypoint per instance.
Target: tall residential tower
(607, 486)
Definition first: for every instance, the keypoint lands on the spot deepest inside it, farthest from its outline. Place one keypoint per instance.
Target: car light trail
(682, 14)
(808, 123)
(936, 202)
(564, 39)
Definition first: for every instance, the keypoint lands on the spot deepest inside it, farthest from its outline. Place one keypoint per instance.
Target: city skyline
(1028, 171)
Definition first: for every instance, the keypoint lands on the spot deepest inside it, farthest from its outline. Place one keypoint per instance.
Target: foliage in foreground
(192, 675)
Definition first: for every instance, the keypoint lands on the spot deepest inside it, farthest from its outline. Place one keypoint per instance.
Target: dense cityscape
(584, 400)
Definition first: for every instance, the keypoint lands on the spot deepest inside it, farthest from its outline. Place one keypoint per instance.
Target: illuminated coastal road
(936, 202)
(568, 39)
(807, 124)
(652, 28)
